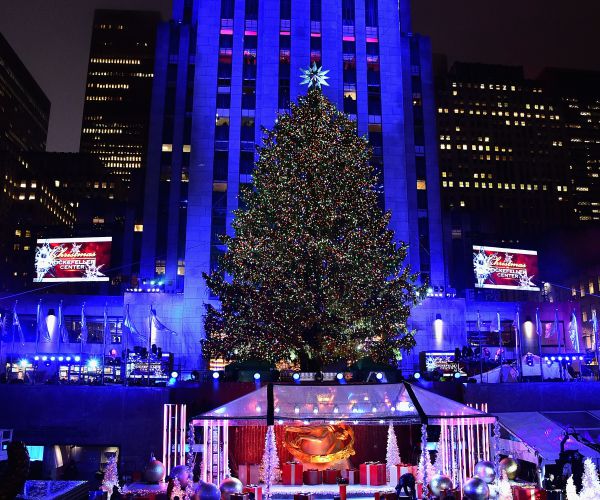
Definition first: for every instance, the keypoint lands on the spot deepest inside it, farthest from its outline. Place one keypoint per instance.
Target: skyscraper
(118, 89)
(224, 69)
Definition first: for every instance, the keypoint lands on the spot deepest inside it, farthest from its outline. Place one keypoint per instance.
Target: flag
(83, 337)
(498, 325)
(556, 328)
(538, 322)
(62, 328)
(573, 331)
(478, 322)
(41, 329)
(156, 324)
(17, 326)
(129, 329)
(595, 328)
(106, 327)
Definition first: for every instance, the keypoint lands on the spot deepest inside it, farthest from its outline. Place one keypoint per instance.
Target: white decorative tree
(590, 484)
(571, 490)
(392, 456)
(504, 489)
(269, 467)
(424, 467)
(111, 475)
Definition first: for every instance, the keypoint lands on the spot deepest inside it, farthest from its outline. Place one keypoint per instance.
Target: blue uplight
(296, 376)
(379, 375)
(215, 375)
(77, 359)
(417, 375)
(257, 376)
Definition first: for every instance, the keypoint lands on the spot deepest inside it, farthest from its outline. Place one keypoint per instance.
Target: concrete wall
(127, 417)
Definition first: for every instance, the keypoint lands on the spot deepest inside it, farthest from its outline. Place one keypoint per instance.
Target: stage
(284, 492)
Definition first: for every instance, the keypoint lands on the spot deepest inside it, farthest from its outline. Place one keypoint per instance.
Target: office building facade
(224, 69)
(118, 89)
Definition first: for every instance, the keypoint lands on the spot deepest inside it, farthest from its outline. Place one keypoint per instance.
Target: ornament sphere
(230, 485)
(476, 489)
(485, 470)
(155, 471)
(182, 473)
(208, 491)
(440, 483)
(511, 466)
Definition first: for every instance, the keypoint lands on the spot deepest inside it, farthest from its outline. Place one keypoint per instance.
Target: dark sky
(52, 37)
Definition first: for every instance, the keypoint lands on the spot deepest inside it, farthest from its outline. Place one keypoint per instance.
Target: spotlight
(379, 376)
(374, 409)
(257, 376)
(336, 409)
(305, 422)
(280, 421)
(215, 375)
(339, 376)
(44, 358)
(174, 374)
(23, 363)
(77, 359)
(258, 408)
(296, 410)
(61, 358)
(580, 358)
(457, 375)
(315, 410)
(277, 409)
(52, 358)
(560, 358)
(552, 358)
(567, 358)
(296, 376)
(68, 358)
(92, 363)
(417, 375)
(36, 358)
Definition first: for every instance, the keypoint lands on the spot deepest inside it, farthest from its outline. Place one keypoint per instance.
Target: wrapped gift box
(528, 493)
(292, 473)
(304, 496)
(372, 474)
(352, 475)
(330, 476)
(396, 471)
(248, 473)
(343, 492)
(313, 476)
(255, 492)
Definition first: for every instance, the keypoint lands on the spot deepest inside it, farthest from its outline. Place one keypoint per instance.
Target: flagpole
(124, 352)
(538, 324)
(12, 349)
(149, 343)
(480, 348)
(595, 332)
(518, 345)
(104, 328)
(37, 325)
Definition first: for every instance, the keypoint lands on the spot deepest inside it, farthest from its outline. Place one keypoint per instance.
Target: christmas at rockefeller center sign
(505, 268)
(72, 259)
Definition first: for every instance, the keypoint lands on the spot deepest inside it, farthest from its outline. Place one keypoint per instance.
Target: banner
(505, 268)
(72, 259)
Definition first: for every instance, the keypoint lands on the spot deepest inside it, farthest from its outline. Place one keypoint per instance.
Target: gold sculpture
(320, 444)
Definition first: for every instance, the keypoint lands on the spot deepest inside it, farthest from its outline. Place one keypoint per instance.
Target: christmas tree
(504, 488)
(269, 467)
(392, 456)
(312, 273)
(571, 490)
(590, 484)
(111, 475)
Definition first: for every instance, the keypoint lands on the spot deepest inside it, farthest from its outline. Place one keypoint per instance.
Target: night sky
(53, 37)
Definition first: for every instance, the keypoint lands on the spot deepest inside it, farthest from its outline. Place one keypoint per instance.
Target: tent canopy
(366, 404)
(539, 434)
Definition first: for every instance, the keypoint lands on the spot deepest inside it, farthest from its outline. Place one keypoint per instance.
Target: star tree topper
(314, 76)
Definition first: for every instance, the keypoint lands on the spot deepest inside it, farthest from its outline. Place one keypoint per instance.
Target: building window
(138, 228)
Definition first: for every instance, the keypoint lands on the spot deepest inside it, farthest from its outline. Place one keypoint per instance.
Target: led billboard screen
(505, 268)
(72, 259)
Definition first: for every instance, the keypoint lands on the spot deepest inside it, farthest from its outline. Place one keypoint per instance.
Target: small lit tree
(392, 456)
(571, 489)
(111, 475)
(504, 488)
(590, 484)
(269, 467)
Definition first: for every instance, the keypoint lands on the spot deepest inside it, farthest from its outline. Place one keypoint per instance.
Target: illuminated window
(180, 267)
(421, 184)
(17, 232)
(167, 148)
(138, 228)
(187, 148)
(160, 267)
(462, 203)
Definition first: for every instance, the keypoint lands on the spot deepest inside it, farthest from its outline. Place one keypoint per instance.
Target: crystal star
(314, 76)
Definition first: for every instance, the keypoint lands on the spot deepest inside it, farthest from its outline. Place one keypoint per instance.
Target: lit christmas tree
(590, 484)
(504, 488)
(269, 467)
(312, 273)
(111, 475)
(392, 455)
(571, 490)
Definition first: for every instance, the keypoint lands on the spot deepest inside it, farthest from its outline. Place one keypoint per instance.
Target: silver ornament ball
(230, 485)
(182, 473)
(476, 489)
(208, 491)
(511, 466)
(440, 483)
(485, 470)
(155, 471)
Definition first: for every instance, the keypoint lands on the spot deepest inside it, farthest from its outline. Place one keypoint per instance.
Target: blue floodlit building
(226, 68)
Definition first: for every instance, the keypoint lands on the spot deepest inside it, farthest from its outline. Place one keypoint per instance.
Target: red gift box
(352, 475)
(343, 491)
(248, 473)
(312, 476)
(330, 476)
(372, 474)
(304, 496)
(396, 471)
(254, 491)
(292, 473)
(528, 493)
